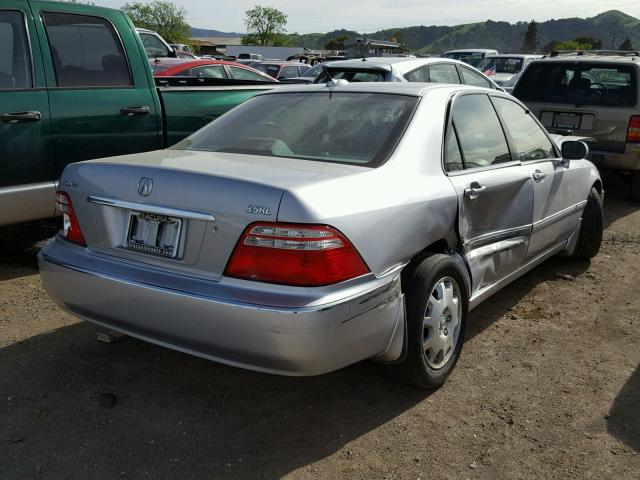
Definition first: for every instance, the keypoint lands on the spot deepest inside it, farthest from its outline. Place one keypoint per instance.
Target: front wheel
(590, 236)
(437, 304)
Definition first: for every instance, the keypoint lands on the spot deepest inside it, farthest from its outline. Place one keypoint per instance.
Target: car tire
(635, 185)
(437, 307)
(590, 236)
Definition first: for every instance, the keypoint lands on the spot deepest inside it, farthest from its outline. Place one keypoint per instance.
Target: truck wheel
(635, 185)
(437, 304)
(590, 236)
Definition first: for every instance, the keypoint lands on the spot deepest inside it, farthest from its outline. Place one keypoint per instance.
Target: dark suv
(593, 94)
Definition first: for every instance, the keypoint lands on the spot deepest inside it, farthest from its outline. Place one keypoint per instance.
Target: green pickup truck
(75, 84)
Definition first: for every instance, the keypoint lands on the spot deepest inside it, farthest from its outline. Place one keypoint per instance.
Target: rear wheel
(437, 304)
(590, 236)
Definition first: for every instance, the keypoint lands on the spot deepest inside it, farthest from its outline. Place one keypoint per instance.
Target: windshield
(472, 58)
(354, 128)
(494, 65)
(590, 83)
(269, 69)
(154, 47)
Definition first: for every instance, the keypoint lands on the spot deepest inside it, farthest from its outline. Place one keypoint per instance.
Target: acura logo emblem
(145, 186)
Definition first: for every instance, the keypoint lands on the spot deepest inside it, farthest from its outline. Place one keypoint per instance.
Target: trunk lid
(182, 210)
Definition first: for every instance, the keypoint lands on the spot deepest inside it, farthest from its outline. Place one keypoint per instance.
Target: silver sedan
(314, 227)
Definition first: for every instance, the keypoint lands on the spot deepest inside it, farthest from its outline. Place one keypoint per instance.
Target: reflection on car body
(314, 227)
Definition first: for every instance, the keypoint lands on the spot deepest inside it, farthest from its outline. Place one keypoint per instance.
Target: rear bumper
(629, 160)
(290, 341)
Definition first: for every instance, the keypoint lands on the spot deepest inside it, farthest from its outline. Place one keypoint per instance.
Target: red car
(173, 67)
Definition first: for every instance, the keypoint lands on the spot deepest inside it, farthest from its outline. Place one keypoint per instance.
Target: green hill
(611, 27)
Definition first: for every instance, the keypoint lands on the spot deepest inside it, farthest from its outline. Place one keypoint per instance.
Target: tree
(596, 43)
(160, 16)
(266, 26)
(573, 45)
(336, 43)
(530, 41)
(626, 45)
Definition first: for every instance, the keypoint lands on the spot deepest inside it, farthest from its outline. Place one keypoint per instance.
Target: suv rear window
(354, 128)
(605, 84)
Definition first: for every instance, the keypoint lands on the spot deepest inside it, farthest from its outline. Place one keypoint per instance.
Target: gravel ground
(548, 386)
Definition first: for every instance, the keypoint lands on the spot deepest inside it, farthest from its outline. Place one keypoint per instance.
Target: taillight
(633, 132)
(70, 226)
(291, 254)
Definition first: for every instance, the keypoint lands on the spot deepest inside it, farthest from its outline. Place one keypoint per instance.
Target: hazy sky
(373, 15)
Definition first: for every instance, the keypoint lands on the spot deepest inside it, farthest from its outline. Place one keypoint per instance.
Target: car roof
(462, 50)
(414, 89)
(591, 58)
(515, 55)
(399, 65)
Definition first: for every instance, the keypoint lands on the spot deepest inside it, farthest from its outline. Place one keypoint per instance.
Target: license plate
(566, 120)
(153, 234)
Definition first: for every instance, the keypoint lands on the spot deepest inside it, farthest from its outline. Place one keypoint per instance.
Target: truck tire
(590, 236)
(437, 306)
(635, 185)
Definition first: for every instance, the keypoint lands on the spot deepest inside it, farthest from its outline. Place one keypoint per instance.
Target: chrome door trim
(172, 212)
(496, 237)
(558, 216)
(495, 247)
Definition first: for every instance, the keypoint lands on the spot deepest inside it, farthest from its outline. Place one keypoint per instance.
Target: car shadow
(617, 203)
(19, 245)
(623, 421)
(76, 408)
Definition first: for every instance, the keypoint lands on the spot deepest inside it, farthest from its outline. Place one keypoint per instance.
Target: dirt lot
(548, 386)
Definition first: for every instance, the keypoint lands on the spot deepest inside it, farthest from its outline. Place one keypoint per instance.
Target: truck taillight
(295, 254)
(633, 132)
(70, 226)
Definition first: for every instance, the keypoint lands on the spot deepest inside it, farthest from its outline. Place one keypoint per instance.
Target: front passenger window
(479, 131)
(15, 61)
(530, 141)
(443, 73)
(470, 77)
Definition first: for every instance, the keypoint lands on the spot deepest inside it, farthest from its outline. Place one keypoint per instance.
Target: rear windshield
(471, 58)
(500, 65)
(352, 75)
(353, 128)
(579, 84)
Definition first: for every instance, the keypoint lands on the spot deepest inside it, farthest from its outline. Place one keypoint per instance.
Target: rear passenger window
(443, 73)
(530, 141)
(15, 58)
(470, 77)
(453, 158)
(86, 51)
(481, 137)
(243, 74)
(420, 74)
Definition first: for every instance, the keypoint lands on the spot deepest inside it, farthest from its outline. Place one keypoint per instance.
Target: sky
(373, 15)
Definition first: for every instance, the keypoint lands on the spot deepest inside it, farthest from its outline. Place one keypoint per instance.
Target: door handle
(474, 190)
(20, 117)
(538, 175)
(134, 111)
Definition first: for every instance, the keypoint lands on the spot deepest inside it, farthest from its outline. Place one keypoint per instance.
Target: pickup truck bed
(76, 85)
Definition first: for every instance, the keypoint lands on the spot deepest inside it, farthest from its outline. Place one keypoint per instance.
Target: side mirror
(574, 150)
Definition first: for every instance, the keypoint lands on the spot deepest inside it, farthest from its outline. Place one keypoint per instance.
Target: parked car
(154, 45)
(212, 69)
(75, 84)
(181, 47)
(500, 68)
(316, 226)
(250, 56)
(592, 94)
(283, 70)
(472, 56)
(401, 69)
(308, 77)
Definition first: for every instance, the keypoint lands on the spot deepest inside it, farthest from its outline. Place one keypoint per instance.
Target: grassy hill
(611, 27)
